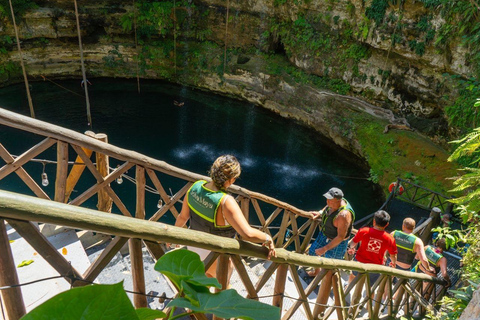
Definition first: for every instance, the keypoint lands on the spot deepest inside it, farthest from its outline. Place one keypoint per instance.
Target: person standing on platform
(332, 240)
(409, 246)
(210, 209)
(374, 242)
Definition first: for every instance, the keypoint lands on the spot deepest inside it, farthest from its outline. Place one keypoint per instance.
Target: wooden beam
(103, 167)
(37, 190)
(156, 250)
(135, 245)
(242, 272)
(266, 276)
(174, 199)
(161, 191)
(77, 170)
(223, 272)
(62, 170)
(323, 294)
(136, 260)
(21, 207)
(104, 259)
(308, 236)
(260, 216)
(26, 156)
(279, 289)
(12, 299)
(281, 232)
(39, 242)
(245, 206)
(312, 286)
(293, 219)
(301, 292)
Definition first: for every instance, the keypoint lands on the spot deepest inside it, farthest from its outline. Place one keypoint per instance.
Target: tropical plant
(186, 271)
(468, 206)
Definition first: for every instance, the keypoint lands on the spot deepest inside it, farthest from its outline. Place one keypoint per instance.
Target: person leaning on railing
(437, 260)
(210, 209)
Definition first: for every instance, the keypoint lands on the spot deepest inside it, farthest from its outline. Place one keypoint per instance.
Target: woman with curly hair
(210, 209)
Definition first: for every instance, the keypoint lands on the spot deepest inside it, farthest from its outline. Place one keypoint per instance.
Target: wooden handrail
(12, 119)
(20, 207)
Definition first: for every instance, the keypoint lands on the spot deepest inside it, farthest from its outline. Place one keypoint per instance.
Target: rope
(27, 87)
(164, 297)
(85, 84)
(226, 34)
(136, 43)
(45, 78)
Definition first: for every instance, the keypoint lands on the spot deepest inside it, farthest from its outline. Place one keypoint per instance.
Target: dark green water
(279, 158)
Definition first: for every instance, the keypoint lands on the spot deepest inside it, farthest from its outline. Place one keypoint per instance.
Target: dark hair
(442, 244)
(382, 218)
(223, 169)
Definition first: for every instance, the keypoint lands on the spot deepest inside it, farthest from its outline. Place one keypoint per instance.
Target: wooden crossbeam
(314, 284)
(155, 249)
(259, 213)
(281, 232)
(293, 220)
(104, 258)
(26, 156)
(161, 191)
(242, 272)
(301, 292)
(266, 275)
(116, 173)
(272, 217)
(37, 190)
(174, 200)
(41, 244)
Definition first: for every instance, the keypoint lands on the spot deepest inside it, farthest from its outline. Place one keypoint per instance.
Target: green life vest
(328, 229)
(405, 245)
(204, 204)
(433, 257)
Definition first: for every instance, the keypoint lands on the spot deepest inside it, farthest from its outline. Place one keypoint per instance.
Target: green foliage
(19, 8)
(106, 302)
(468, 207)
(377, 10)
(184, 268)
(373, 176)
(463, 113)
(452, 236)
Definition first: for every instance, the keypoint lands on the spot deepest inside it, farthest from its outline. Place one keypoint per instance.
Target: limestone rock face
(472, 311)
(392, 75)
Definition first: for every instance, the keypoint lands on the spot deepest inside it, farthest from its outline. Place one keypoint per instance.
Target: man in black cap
(337, 223)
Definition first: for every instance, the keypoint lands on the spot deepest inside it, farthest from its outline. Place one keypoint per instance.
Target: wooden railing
(150, 233)
(20, 211)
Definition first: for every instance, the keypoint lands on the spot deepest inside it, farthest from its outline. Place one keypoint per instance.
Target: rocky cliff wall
(321, 62)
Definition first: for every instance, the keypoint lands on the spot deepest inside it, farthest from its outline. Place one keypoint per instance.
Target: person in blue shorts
(332, 241)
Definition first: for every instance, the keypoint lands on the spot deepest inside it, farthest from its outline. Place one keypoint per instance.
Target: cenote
(279, 158)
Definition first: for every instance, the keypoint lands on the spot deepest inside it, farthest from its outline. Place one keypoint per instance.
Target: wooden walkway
(74, 152)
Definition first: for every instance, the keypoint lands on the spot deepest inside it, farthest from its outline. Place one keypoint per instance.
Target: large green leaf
(229, 304)
(149, 314)
(106, 302)
(183, 265)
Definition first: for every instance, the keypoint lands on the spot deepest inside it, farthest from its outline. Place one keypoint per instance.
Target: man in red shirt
(374, 242)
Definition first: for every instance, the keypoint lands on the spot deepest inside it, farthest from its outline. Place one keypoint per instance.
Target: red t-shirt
(373, 244)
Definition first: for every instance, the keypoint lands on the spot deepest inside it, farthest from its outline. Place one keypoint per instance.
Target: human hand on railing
(316, 214)
(351, 251)
(270, 246)
(172, 245)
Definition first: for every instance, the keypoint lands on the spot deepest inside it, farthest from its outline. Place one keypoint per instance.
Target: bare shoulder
(345, 214)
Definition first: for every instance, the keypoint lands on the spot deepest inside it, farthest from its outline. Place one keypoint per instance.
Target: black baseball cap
(334, 193)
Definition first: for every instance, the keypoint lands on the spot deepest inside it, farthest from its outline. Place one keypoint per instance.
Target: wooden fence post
(104, 200)
(135, 245)
(426, 234)
(77, 170)
(13, 299)
(279, 289)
